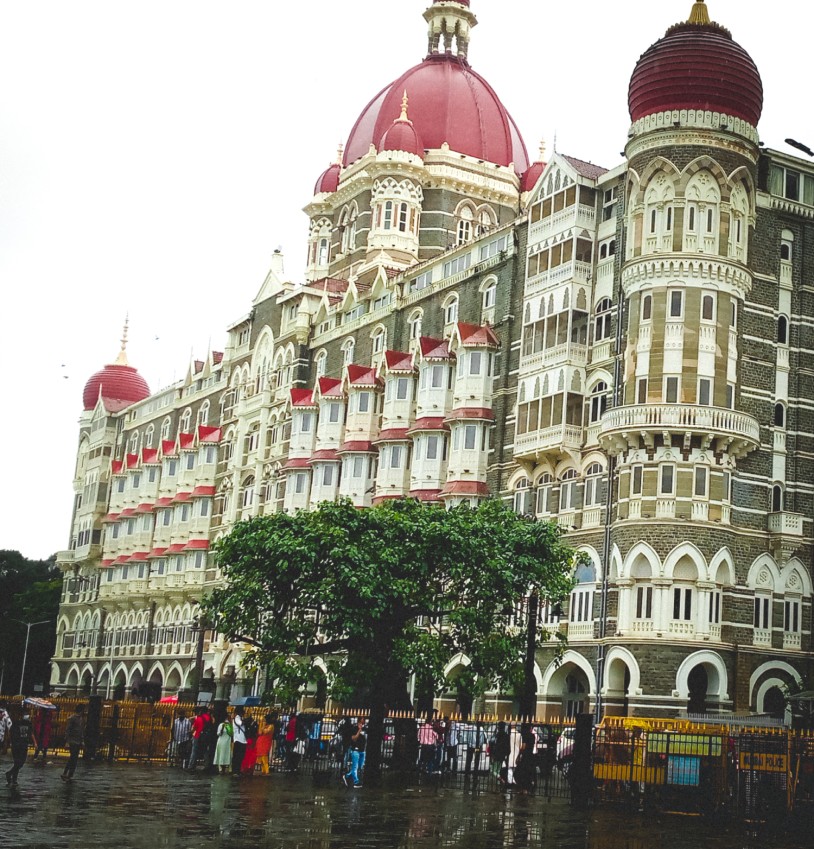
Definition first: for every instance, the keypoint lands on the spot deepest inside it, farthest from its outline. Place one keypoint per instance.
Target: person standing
(181, 739)
(525, 765)
(358, 743)
(223, 748)
(427, 741)
(42, 733)
(499, 749)
(475, 738)
(74, 740)
(251, 729)
(450, 745)
(265, 739)
(22, 733)
(5, 728)
(238, 741)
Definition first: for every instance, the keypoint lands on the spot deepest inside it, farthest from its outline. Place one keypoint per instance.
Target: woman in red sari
(250, 757)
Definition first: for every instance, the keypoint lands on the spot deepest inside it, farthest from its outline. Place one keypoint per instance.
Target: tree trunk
(375, 738)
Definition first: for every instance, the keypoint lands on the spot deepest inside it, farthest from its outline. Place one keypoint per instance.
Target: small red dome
(329, 179)
(402, 135)
(120, 384)
(696, 66)
(529, 180)
(449, 103)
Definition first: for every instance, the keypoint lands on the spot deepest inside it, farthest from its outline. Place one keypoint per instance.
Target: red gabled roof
(181, 496)
(217, 357)
(157, 552)
(131, 460)
(209, 434)
(330, 387)
(479, 413)
(465, 488)
(106, 563)
(122, 558)
(197, 545)
(297, 463)
(116, 467)
(398, 361)
(139, 556)
(203, 490)
(334, 285)
(362, 376)
(393, 434)
(128, 511)
(199, 364)
(163, 502)
(359, 446)
(186, 441)
(434, 349)
(149, 455)
(474, 335)
(168, 448)
(324, 454)
(176, 547)
(146, 507)
(111, 517)
(586, 169)
(302, 398)
(429, 423)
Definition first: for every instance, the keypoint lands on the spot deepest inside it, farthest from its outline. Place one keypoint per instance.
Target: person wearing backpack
(250, 729)
(238, 741)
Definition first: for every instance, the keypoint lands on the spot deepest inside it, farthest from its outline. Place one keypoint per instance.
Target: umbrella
(43, 704)
(168, 700)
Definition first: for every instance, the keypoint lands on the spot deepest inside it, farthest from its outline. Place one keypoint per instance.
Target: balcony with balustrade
(559, 439)
(630, 427)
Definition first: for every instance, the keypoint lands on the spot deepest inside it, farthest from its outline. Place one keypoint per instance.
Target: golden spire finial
(404, 102)
(121, 360)
(699, 13)
(340, 150)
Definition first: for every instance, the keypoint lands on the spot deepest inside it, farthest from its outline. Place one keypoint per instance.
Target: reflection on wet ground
(124, 806)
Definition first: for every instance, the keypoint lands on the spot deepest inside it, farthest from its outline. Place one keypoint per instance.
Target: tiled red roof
(138, 556)
(586, 169)
(128, 511)
(474, 335)
(324, 455)
(297, 463)
(203, 490)
(209, 434)
(434, 349)
(147, 507)
(197, 545)
(116, 467)
(106, 563)
(122, 558)
(302, 398)
(398, 361)
(157, 552)
(380, 498)
(217, 357)
(330, 284)
(163, 502)
(131, 461)
(358, 446)
(181, 496)
(465, 488)
(186, 441)
(428, 423)
(330, 387)
(426, 494)
(149, 455)
(362, 376)
(199, 364)
(393, 434)
(176, 547)
(111, 517)
(480, 413)
(168, 448)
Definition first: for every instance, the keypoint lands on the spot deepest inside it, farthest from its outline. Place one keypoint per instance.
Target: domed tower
(415, 180)
(118, 384)
(677, 430)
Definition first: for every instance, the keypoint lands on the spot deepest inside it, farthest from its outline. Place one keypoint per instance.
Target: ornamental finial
(121, 360)
(542, 150)
(340, 150)
(404, 101)
(699, 13)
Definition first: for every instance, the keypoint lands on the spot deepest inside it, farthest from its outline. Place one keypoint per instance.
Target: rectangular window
(437, 377)
(299, 483)
(641, 390)
(116, 531)
(644, 602)
(185, 512)
(204, 507)
(704, 391)
(791, 617)
(120, 485)
(726, 495)
(328, 475)
(333, 412)
(364, 402)
(395, 456)
(636, 480)
(401, 389)
(762, 619)
(305, 423)
(667, 483)
(475, 358)
(671, 390)
(358, 466)
(730, 396)
(167, 517)
(190, 461)
(676, 303)
(647, 307)
(470, 437)
(682, 603)
(136, 481)
(152, 473)
(432, 447)
(701, 479)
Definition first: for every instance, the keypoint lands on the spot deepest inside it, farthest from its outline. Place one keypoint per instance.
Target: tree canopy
(394, 590)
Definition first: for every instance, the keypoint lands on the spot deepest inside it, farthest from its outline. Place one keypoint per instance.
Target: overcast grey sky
(154, 154)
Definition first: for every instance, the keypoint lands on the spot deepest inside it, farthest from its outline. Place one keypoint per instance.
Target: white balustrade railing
(716, 420)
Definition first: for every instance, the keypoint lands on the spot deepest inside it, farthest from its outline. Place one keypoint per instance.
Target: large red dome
(696, 66)
(450, 103)
(121, 386)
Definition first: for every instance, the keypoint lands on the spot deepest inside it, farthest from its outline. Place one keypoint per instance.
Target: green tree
(359, 586)
(29, 592)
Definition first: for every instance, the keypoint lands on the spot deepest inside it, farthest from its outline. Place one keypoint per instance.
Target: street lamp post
(28, 627)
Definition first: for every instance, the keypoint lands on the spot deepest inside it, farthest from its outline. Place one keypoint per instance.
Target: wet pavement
(120, 806)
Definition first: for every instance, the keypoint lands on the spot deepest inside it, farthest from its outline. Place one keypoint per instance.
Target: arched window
(602, 322)
(414, 323)
(320, 363)
(347, 350)
(779, 414)
(708, 308)
(486, 220)
(593, 482)
(466, 219)
(378, 340)
(598, 402)
(782, 330)
(451, 310)
(203, 414)
(134, 443)
(522, 497)
(582, 596)
(786, 246)
(186, 420)
(544, 494)
(247, 499)
(490, 295)
(166, 429)
(568, 490)
(647, 307)
(778, 498)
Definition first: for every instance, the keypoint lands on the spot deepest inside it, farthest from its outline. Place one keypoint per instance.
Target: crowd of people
(241, 745)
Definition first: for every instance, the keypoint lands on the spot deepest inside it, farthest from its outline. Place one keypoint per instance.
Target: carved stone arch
(710, 165)
(717, 675)
(722, 565)
(594, 457)
(685, 551)
(136, 674)
(610, 685)
(764, 574)
(72, 678)
(593, 556)
(516, 476)
(544, 468)
(121, 671)
(795, 578)
(175, 677)
(647, 553)
(457, 660)
(772, 666)
(564, 466)
(157, 669)
(659, 165)
(615, 563)
(556, 670)
(598, 376)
